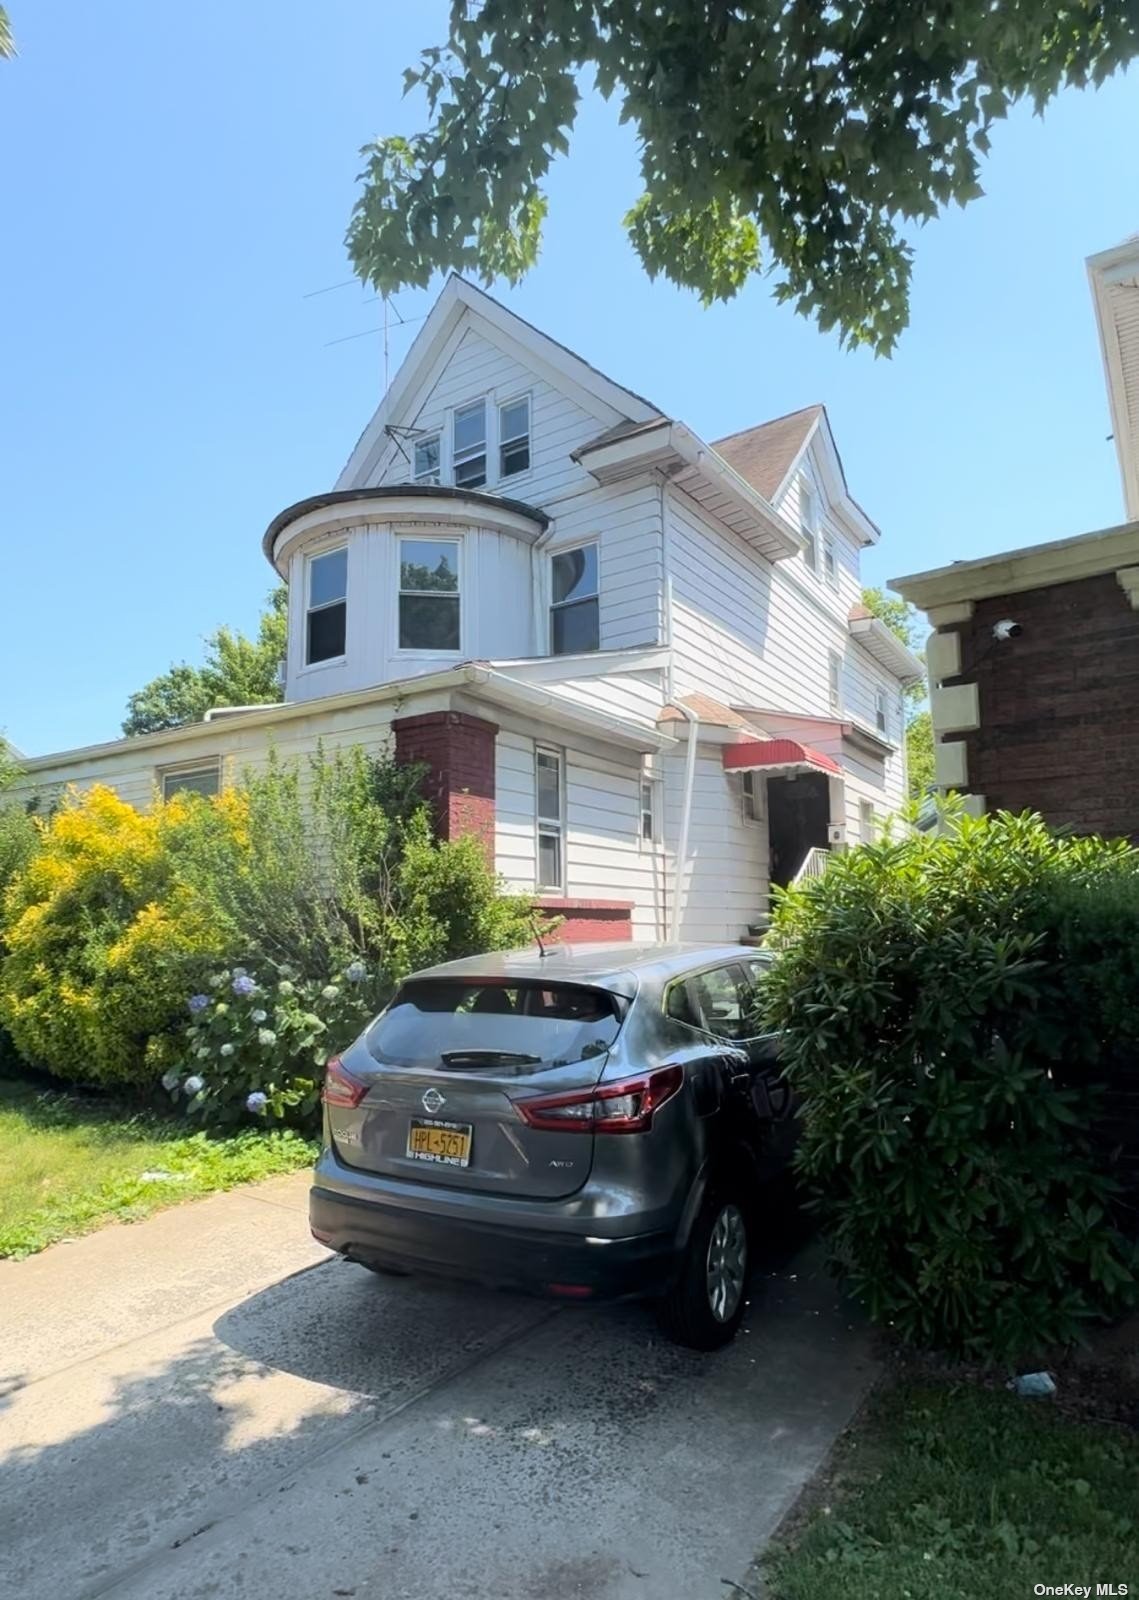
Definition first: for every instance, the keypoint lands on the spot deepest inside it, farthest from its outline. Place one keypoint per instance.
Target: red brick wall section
(458, 752)
(1059, 705)
(589, 921)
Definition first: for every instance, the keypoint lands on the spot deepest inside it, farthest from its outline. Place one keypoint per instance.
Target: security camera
(1008, 629)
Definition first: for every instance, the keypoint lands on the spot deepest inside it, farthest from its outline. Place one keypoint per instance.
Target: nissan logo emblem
(433, 1101)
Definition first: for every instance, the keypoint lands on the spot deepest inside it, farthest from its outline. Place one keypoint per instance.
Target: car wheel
(705, 1306)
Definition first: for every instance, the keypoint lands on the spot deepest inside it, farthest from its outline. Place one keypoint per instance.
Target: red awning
(777, 755)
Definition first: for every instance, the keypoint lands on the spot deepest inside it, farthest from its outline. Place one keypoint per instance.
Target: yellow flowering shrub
(104, 940)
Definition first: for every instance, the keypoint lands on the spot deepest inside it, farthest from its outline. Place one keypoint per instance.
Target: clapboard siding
(482, 366)
(515, 840)
(625, 521)
(726, 882)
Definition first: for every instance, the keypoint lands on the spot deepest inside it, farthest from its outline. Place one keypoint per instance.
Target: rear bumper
(508, 1258)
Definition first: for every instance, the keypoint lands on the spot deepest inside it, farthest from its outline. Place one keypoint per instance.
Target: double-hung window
(830, 560)
(514, 437)
(834, 680)
(575, 622)
(809, 523)
(429, 615)
(468, 446)
(425, 459)
(650, 809)
(750, 796)
(326, 616)
(550, 808)
(204, 778)
(880, 710)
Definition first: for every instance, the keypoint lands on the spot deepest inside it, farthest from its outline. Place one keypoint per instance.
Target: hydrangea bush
(256, 1042)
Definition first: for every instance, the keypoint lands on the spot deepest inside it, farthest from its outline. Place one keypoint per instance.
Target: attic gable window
(809, 523)
(425, 464)
(326, 614)
(468, 446)
(429, 616)
(830, 560)
(514, 437)
(575, 622)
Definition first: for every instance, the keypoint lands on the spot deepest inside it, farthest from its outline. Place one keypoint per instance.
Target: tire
(714, 1268)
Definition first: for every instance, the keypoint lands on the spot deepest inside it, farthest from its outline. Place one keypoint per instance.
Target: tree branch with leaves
(782, 136)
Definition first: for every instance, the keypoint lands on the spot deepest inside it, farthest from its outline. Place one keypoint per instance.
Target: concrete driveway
(206, 1404)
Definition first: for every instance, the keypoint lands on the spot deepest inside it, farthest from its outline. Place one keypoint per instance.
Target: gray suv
(588, 1121)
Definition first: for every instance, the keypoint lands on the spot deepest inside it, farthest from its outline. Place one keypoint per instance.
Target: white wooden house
(634, 663)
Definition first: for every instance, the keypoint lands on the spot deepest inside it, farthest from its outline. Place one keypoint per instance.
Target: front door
(798, 811)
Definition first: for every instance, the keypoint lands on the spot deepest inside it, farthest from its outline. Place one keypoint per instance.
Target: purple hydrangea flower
(243, 984)
(198, 1002)
(257, 1102)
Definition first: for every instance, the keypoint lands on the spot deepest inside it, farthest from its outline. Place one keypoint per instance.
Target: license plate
(448, 1143)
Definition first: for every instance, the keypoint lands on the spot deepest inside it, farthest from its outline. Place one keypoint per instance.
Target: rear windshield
(435, 1022)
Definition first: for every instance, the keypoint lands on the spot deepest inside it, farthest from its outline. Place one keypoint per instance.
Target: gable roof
(611, 402)
(765, 455)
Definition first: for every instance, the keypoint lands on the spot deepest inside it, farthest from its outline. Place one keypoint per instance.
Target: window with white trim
(834, 680)
(425, 459)
(809, 523)
(750, 800)
(429, 602)
(468, 446)
(830, 560)
(650, 809)
(550, 811)
(880, 713)
(575, 610)
(203, 778)
(514, 437)
(326, 614)
(867, 821)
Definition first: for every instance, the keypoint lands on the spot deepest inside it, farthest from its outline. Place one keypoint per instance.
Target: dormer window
(425, 463)
(326, 615)
(429, 617)
(575, 623)
(468, 446)
(809, 523)
(514, 437)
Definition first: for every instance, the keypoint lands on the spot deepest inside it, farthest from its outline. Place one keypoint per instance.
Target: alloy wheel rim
(727, 1263)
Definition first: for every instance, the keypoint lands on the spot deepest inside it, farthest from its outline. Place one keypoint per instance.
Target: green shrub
(257, 1043)
(949, 1006)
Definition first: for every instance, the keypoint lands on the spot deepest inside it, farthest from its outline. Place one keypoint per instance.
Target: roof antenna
(542, 951)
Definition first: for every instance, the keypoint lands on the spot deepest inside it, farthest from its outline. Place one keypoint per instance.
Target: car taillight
(340, 1087)
(627, 1106)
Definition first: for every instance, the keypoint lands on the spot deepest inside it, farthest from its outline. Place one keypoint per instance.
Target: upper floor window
(830, 560)
(880, 710)
(514, 437)
(429, 617)
(650, 809)
(326, 615)
(425, 464)
(468, 446)
(834, 680)
(809, 523)
(575, 622)
(550, 808)
(203, 778)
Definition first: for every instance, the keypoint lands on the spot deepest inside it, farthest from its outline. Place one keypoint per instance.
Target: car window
(720, 995)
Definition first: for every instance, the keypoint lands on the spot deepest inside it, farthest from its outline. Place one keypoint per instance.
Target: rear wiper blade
(513, 1058)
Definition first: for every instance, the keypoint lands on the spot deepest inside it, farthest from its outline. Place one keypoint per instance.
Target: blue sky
(177, 181)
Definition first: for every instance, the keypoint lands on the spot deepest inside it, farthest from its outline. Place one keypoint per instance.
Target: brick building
(1034, 674)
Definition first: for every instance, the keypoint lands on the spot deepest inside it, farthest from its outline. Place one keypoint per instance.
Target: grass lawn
(69, 1163)
(964, 1493)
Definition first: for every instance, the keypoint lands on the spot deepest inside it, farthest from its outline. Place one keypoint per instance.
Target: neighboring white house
(635, 663)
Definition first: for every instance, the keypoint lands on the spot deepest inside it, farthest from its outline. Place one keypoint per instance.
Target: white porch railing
(814, 865)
